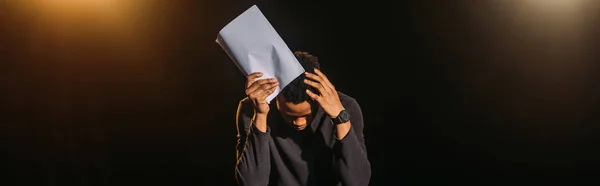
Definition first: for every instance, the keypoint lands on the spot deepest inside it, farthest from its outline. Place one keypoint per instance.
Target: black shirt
(314, 156)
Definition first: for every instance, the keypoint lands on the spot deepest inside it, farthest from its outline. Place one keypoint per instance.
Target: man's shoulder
(346, 99)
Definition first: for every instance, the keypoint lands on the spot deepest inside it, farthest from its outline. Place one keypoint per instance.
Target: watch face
(344, 116)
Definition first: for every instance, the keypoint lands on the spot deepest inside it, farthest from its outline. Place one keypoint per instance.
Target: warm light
(556, 7)
(556, 4)
(547, 20)
(77, 8)
(77, 4)
(76, 27)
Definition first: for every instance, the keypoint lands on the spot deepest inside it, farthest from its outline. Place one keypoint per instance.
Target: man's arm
(350, 151)
(253, 164)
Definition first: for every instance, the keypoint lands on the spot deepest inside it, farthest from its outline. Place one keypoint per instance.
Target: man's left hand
(328, 98)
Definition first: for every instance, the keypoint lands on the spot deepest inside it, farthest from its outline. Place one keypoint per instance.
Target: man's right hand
(259, 90)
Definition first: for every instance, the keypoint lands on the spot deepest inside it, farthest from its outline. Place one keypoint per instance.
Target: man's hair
(295, 92)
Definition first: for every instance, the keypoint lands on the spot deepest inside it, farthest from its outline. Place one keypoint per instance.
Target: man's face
(297, 115)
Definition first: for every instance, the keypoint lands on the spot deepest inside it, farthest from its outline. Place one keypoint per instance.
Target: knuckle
(253, 97)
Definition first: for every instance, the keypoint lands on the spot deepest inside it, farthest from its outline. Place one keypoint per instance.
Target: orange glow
(75, 4)
(91, 47)
(70, 25)
(556, 6)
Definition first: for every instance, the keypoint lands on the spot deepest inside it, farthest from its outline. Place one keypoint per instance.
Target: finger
(264, 91)
(254, 89)
(265, 87)
(324, 78)
(316, 85)
(317, 78)
(313, 77)
(270, 91)
(271, 87)
(312, 95)
(251, 78)
(258, 83)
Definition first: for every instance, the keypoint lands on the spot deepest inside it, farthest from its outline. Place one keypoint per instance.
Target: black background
(453, 92)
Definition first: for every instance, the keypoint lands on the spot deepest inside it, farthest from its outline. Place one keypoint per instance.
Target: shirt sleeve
(252, 150)
(351, 159)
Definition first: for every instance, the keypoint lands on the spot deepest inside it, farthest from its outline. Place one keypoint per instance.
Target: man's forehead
(298, 114)
(296, 110)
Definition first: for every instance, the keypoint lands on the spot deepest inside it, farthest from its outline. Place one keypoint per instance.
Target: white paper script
(253, 45)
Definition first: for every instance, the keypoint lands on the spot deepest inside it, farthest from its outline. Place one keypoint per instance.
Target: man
(312, 135)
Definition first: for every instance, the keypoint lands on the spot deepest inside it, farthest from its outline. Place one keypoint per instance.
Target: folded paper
(254, 45)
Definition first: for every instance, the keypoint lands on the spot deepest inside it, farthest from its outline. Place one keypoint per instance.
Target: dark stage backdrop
(132, 92)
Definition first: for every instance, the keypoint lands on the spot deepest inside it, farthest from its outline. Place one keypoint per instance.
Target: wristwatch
(343, 117)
